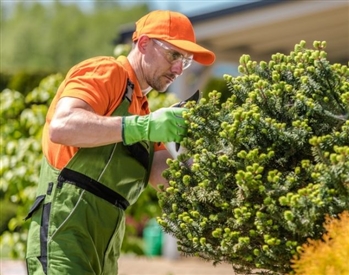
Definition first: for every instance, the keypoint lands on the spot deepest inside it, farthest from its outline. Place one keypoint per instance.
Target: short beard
(157, 85)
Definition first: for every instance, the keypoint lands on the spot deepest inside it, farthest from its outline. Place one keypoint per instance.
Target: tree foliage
(55, 36)
(263, 169)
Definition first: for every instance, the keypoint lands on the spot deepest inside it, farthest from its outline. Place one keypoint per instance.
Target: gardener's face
(167, 63)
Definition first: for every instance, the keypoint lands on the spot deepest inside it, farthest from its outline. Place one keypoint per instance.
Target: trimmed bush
(266, 166)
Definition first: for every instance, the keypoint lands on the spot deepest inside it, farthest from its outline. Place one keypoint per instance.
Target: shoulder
(99, 81)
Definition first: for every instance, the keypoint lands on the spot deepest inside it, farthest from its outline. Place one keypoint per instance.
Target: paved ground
(131, 265)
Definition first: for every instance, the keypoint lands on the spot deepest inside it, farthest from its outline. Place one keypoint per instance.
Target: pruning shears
(194, 97)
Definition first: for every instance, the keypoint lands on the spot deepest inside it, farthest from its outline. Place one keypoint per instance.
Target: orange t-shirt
(100, 82)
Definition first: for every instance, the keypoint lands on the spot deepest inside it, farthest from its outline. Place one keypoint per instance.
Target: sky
(188, 7)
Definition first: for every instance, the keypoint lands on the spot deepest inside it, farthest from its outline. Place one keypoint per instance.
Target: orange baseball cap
(176, 29)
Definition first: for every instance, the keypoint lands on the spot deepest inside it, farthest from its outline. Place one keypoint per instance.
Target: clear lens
(173, 56)
(186, 63)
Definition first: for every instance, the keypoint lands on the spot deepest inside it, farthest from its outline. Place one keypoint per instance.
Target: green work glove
(163, 125)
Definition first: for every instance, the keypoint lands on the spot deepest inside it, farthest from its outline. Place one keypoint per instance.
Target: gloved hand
(163, 125)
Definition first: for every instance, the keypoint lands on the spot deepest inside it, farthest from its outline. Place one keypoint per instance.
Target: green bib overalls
(77, 220)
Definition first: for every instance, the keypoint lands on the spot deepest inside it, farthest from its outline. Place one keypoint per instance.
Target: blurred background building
(260, 29)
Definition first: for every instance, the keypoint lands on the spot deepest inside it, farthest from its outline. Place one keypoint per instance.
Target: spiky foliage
(263, 169)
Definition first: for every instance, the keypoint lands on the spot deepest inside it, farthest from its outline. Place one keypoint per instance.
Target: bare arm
(76, 124)
(159, 165)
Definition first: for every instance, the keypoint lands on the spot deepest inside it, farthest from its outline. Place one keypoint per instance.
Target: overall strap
(92, 186)
(129, 90)
(137, 150)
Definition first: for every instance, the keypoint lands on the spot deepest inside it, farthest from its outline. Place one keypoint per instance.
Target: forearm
(75, 123)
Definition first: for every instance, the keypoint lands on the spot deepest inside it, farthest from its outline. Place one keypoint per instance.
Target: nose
(177, 67)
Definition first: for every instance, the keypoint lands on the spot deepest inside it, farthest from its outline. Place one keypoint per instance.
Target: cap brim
(200, 54)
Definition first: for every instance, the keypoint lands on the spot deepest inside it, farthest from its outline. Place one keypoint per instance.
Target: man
(102, 145)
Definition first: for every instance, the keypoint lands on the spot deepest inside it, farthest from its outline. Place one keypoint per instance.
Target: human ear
(143, 43)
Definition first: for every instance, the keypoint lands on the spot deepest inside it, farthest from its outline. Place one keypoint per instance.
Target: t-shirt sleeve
(100, 82)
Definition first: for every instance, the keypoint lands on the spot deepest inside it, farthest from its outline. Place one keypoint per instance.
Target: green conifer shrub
(266, 166)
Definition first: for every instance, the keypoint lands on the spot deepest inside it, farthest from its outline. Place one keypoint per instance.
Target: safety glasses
(173, 56)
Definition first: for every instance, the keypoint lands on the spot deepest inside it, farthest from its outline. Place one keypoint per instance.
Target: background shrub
(330, 254)
(21, 121)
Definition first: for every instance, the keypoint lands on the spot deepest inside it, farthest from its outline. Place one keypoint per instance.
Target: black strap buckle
(84, 182)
